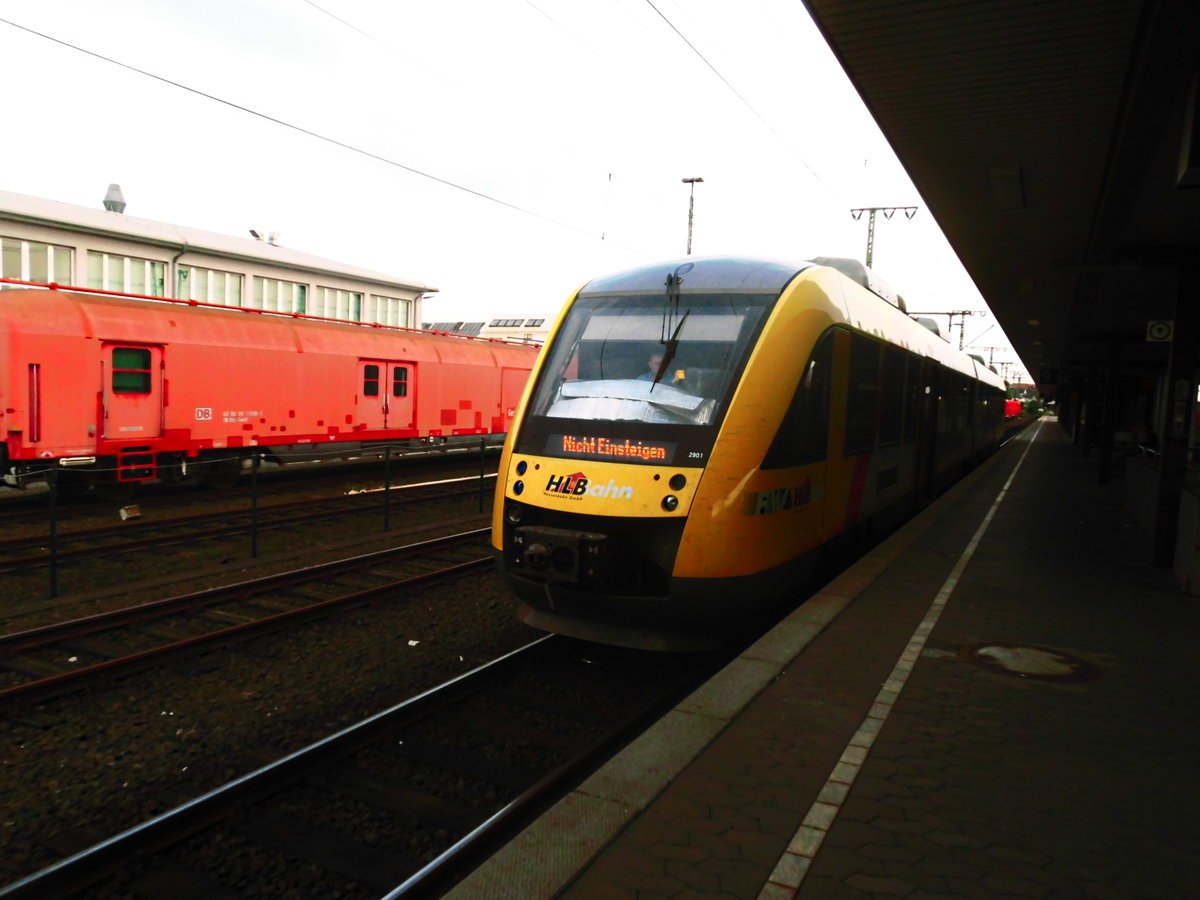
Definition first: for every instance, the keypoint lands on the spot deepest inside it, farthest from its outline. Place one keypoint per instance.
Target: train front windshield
(633, 363)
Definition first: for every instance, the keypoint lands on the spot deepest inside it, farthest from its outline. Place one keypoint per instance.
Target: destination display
(588, 447)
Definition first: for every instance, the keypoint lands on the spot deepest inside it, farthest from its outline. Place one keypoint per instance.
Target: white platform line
(784, 882)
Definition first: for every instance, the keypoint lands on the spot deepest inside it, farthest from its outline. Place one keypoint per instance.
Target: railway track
(25, 553)
(26, 510)
(49, 660)
(404, 803)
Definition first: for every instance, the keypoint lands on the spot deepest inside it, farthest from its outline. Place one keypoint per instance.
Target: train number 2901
(695, 454)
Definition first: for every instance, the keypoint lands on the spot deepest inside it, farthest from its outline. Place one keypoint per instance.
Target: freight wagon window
(370, 381)
(399, 382)
(130, 370)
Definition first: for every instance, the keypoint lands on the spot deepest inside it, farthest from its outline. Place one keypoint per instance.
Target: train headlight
(521, 467)
(513, 512)
(678, 482)
(518, 487)
(670, 503)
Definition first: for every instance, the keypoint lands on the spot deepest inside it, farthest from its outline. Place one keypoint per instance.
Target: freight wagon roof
(52, 213)
(68, 314)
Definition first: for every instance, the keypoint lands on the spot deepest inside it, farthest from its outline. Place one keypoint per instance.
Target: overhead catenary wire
(314, 134)
(744, 101)
(645, 188)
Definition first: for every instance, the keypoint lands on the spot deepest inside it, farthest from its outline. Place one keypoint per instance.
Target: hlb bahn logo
(577, 486)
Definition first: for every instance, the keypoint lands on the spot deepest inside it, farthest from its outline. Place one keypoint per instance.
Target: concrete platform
(997, 702)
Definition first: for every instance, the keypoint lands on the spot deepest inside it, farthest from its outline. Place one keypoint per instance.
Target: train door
(132, 391)
(386, 395)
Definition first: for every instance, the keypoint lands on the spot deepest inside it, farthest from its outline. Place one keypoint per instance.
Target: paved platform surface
(873, 745)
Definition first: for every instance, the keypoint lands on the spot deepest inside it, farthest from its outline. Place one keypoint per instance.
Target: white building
(532, 329)
(528, 329)
(50, 242)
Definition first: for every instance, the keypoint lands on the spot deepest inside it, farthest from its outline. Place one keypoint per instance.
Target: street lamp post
(691, 208)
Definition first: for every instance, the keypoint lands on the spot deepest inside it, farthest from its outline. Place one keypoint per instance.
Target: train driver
(652, 365)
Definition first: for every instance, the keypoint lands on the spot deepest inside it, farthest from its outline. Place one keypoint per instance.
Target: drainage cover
(1028, 661)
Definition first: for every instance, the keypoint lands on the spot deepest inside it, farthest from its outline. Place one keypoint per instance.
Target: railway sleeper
(457, 759)
(326, 848)
(396, 798)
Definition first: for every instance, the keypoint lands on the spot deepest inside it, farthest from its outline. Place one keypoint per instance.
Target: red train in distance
(108, 389)
(1012, 409)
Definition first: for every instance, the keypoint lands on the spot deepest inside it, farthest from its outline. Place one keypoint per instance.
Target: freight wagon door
(512, 385)
(385, 398)
(132, 378)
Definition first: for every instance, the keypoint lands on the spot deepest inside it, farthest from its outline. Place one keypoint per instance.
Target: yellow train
(696, 431)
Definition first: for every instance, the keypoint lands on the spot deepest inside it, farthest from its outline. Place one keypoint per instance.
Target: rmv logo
(781, 499)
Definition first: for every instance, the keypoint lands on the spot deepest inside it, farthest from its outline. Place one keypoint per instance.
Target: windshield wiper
(671, 344)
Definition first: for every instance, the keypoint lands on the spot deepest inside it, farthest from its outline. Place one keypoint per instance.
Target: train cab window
(803, 435)
(370, 381)
(599, 367)
(400, 381)
(131, 370)
(862, 401)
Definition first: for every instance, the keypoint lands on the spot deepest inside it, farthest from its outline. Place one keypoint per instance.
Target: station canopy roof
(1056, 143)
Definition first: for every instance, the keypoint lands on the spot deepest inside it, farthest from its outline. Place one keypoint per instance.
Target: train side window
(804, 432)
(400, 381)
(912, 397)
(862, 402)
(130, 370)
(891, 415)
(370, 381)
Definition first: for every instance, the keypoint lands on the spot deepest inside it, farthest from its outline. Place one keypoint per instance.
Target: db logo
(203, 413)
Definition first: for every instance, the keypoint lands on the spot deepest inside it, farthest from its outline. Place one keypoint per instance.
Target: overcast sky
(503, 151)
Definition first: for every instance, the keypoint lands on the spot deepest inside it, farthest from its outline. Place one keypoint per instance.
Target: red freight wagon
(121, 389)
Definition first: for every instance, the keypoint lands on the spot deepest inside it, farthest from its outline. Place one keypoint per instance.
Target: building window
(273, 295)
(534, 323)
(109, 272)
(334, 304)
(33, 261)
(387, 311)
(130, 370)
(208, 286)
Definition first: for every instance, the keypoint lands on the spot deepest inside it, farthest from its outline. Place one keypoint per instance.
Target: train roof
(111, 316)
(727, 274)
(883, 313)
(739, 274)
